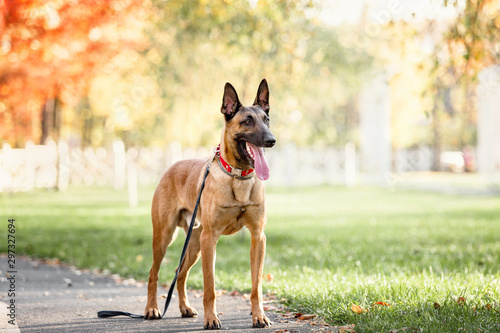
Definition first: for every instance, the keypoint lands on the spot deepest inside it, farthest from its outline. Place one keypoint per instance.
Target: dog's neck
(229, 152)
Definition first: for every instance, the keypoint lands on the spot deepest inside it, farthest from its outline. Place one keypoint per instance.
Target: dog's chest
(242, 203)
(242, 191)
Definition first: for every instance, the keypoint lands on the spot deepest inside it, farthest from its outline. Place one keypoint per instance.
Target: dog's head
(248, 127)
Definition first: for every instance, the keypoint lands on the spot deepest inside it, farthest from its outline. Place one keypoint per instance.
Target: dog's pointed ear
(230, 102)
(262, 98)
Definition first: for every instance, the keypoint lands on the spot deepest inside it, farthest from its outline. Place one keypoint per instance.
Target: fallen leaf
(487, 307)
(52, 262)
(347, 329)
(357, 309)
(382, 304)
(461, 301)
(288, 315)
(270, 308)
(307, 316)
(297, 315)
(219, 293)
(269, 277)
(234, 293)
(437, 306)
(270, 296)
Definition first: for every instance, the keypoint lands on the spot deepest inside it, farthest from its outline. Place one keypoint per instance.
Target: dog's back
(178, 187)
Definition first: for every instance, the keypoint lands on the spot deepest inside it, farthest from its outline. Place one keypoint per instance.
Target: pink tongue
(261, 167)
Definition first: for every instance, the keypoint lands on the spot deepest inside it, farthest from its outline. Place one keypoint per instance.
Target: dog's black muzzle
(269, 140)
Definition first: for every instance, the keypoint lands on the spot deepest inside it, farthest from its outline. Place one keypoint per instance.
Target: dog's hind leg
(164, 228)
(192, 256)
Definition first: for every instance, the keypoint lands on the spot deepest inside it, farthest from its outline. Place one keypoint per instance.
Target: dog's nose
(270, 142)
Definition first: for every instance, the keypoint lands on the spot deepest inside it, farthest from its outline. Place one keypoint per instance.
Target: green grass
(328, 248)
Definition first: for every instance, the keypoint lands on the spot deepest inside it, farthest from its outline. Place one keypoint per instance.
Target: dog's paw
(212, 322)
(188, 311)
(152, 313)
(261, 321)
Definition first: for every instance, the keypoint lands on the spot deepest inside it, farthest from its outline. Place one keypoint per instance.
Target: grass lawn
(434, 258)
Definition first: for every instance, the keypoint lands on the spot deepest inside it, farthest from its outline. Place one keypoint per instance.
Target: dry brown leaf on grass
(357, 309)
(486, 307)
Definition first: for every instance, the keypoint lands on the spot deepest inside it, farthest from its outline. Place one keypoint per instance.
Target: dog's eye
(266, 120)
(248, 121)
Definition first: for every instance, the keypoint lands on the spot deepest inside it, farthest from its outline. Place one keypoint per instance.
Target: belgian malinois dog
(233, 198)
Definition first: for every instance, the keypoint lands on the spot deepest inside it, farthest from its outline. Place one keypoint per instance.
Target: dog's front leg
(208, 241)
(257, 253)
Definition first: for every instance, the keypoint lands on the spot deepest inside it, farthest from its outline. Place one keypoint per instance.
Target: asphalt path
(57, 298)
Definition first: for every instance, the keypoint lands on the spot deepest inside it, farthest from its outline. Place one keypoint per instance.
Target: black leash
(107, 314)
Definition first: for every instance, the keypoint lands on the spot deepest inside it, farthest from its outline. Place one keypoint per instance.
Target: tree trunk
(436, 131)
(51, 120)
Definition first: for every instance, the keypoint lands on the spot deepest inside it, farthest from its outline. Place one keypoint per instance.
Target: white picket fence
(58, 165)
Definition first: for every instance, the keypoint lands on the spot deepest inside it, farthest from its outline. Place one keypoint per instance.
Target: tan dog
(233, 198)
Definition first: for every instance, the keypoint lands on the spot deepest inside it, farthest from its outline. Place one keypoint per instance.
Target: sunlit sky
(337, 12)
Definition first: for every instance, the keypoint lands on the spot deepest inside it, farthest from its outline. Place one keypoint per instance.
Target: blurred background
(387, 92)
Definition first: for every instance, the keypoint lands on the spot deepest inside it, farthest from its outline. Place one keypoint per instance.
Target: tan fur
(227, 205)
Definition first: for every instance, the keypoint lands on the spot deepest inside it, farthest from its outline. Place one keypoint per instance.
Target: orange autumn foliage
(49, 50)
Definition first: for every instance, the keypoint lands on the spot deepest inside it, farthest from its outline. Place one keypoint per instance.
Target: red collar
(232, 171)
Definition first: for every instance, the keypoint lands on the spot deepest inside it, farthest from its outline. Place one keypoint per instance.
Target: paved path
(51, 298)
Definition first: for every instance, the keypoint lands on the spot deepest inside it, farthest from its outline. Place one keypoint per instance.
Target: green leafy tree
(196, 46)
